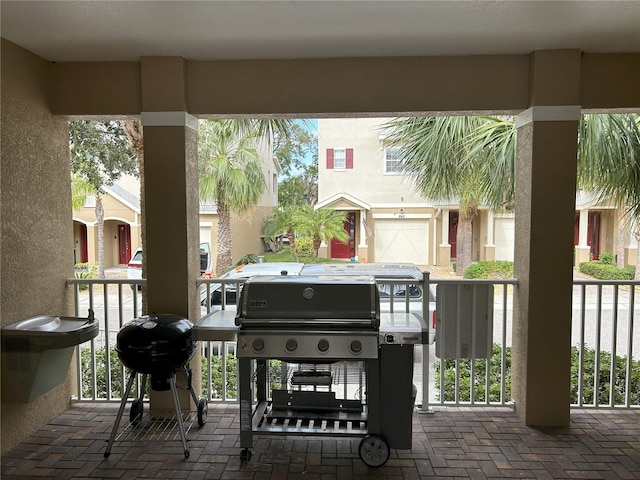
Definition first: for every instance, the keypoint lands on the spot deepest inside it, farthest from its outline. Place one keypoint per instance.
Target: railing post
(426, 348)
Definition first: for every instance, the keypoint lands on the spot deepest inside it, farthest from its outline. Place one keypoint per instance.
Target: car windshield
(399, 290)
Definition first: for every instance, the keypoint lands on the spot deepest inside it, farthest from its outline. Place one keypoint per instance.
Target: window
(339, 158)
(392, 160)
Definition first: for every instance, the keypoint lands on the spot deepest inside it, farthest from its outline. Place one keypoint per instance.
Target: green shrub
(216, 376)
(101, 373)
(248, 258)
(605, 271)
(604, 373)
(232, 376)
(85, 271)
(479, 391)
(588, 378)
(606, 258)
(304, 247)
(490, 269)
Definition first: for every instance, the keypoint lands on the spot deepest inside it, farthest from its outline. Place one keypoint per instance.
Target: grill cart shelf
(342, 363)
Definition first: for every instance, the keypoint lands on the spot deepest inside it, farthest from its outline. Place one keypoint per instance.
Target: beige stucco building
(169, 87)
(122, 220)
(388, 221)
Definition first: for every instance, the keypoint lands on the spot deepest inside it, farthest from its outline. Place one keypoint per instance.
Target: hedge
(607, 271)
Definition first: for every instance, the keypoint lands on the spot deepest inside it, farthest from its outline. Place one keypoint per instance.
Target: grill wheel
(374, 451)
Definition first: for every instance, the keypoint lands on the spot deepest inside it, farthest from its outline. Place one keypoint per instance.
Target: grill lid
(306, 300)
(156, 344)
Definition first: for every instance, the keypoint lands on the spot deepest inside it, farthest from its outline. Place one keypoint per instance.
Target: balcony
(460, 433)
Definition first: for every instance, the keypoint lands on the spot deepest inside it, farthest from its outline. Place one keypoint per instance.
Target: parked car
(382, 272)
(242, 272)
(134, 267)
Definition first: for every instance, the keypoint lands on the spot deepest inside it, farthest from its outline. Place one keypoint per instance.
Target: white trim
(169, 119)
(357, 203)
(406, 216)
(552, 113)
(400, 205)
(117, 219)
(119, 198)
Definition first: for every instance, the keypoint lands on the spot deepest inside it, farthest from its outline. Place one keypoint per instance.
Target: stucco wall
(245, 233)
(37, 235)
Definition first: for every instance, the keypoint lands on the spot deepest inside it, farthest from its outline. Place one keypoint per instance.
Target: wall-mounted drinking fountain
(37, 351)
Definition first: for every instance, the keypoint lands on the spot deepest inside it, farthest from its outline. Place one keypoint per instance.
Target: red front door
(593, 234)
(348, 249)
(453, 233)
(84, 251)
(124, 244)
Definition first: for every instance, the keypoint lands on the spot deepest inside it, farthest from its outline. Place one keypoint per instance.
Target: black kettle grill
(157, 345)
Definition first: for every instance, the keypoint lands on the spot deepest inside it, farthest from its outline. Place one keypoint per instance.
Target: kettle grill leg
(132, 377)
(176, 402)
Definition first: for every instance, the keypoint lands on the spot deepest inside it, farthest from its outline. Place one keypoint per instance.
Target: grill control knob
(323, 345)
(355, 346)
(291, 345)
(258, 345)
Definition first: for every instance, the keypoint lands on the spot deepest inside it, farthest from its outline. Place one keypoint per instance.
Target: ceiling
(66, 31)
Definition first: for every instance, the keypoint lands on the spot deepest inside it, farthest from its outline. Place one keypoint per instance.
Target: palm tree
(134, 133)
(282, 220)
(322, 225)
(608, 160)
(465, 159)
(609, 164)
(231, 174)
(80, 189)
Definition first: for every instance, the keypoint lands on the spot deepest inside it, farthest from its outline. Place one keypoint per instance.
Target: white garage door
(402, 240)
(505, 238)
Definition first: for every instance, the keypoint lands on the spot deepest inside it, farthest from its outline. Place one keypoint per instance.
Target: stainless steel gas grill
(309, 335)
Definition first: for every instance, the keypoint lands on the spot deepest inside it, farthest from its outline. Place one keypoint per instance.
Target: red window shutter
(329, 158)
(349, 157)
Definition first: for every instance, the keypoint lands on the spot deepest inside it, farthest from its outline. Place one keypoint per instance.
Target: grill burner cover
(156, 344)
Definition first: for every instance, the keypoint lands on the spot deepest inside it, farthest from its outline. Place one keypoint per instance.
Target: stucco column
(583, 252)
(171, 203)
(444, 249)
(490, 246)
(172, 235)
(544, 227)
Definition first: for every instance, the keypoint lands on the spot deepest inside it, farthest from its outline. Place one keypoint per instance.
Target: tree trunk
(133, 131)
(621, 238)
(100, 224)
(224, 258)
(464, 241)
(316, 246)
(292, 244)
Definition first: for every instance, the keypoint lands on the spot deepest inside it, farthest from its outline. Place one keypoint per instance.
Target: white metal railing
(603, 328)
(474, 381)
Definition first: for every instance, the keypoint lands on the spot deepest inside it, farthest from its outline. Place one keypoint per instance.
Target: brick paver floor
(452, 443)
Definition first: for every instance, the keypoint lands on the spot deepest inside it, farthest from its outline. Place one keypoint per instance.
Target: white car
(134, 267)
(242, 272)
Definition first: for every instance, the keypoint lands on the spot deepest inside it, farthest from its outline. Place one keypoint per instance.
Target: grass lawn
(286, 256)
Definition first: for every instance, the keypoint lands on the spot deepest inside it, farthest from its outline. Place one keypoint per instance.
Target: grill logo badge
(308, 293)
